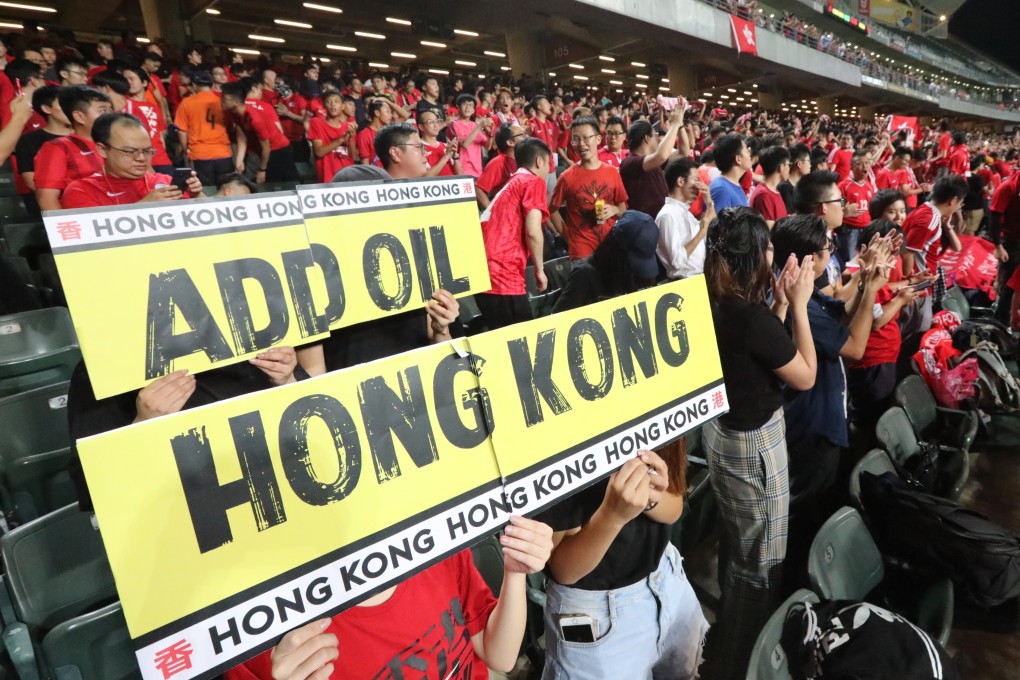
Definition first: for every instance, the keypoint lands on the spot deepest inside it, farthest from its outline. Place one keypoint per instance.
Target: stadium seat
(26, 240)
(768, 659)
(37, 348)
(558, 271)
(950, 426)
(12, 209)
(56, 568)
(470, 315)
(541, 302)
(896, 434)
(488, 558)
(307, 173)
(956, 301)
(93, 645)
(845, 564)
(876, 462)
(34, 452)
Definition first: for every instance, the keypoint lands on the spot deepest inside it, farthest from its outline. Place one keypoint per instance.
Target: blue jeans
(650, 629)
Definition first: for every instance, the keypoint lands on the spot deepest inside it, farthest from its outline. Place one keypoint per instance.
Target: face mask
(283, 90)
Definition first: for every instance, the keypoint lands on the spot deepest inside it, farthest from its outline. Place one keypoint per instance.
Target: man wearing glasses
(61, 161)
(401, 151)
(591, 191)
(126, 149)
(502, 166)
(72, 70)
(613, 152)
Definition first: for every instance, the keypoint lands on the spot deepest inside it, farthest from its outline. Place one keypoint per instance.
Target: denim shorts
(650, 629)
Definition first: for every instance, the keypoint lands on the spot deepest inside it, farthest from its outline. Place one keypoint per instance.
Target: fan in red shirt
(502, 166)
(125, 146)
(380, 115)
(60, 161)
(546, 129)
(858, 191)
(580, 187)
(766, 199)
(945, 144)
(959, 156)
(841, 157)
(408, 96)
(440, 623)
(442, 158)
(923, 229)
(292, 110)
(276, 161)
(512, 230)
(116, 87)
(614, 151)
(1004, 228)
(332, 137)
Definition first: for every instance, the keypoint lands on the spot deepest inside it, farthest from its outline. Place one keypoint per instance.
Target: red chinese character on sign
(69, 231)
(469, 188)
(174, 659)
(717, 399)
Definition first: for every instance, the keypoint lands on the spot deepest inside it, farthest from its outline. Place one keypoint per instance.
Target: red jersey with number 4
(859, 194)
(423, 631)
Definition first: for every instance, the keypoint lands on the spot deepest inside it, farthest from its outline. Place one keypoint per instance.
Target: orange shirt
(201, 116)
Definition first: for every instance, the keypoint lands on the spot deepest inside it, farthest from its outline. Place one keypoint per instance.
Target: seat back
(876, 462)
(96, 645)
(844, 563)
(956, 301)
(916, 400)
(488, 558)
(26, 239)
(56, 567)
(768, 659)
(558, 271)
(34, 422)
(28, 338)
(39, 484)
(897, 435)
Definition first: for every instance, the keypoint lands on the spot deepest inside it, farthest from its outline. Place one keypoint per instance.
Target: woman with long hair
(618, 602)
(746, 447)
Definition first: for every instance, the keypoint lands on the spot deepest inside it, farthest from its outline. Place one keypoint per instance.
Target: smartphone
(923, 285)
(181, 177)
(577, 628)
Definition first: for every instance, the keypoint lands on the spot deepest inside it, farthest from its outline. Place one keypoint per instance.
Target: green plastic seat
(37, 348)
(768, 659)
(33, 422)
(307, 173)
(93, 645)
(56, 568)
(11, 208)
(488, 558)
(541, 302)
(952, 426)
(557, 271)
(896, 434)
(39, 484)
(51, 278)
(876, 462)
(845, 564)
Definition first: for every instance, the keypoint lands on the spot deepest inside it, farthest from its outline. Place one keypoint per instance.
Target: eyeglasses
(134, 153)
(434, 121)
(77, 72)
(519, 135)
(420, 146)
(615, 134)
(830, 244)
(577, 141)
(841, 201)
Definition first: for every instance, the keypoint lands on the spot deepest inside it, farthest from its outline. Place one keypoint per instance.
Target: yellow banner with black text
(230, 524)
(196, 284)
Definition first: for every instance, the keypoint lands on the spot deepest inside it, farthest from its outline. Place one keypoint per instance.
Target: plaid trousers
(751, 485)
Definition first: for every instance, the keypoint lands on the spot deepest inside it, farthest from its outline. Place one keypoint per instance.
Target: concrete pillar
(826, 105)
(768, 101)
(681, 78)
(201, 29)
(525, 52)
(163, 20)
(867, 112)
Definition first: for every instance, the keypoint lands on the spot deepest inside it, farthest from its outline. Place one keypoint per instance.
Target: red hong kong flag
(744, 37)
(908, 123)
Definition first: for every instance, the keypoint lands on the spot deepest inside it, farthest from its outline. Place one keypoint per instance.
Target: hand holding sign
(527, 545)
(164, 395)
(628, 492)
(306, 653)
(278, 363)
(443, 309)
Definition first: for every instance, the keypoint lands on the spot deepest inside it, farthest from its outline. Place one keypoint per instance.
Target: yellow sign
(386, 247)
(154, 288)
(230, 524)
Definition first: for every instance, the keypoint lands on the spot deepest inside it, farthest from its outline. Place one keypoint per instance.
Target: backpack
(979, 556)
(997, 389)
(974, 332)
(843, 640)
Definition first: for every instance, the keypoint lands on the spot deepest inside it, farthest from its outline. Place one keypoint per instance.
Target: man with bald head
(501, 167)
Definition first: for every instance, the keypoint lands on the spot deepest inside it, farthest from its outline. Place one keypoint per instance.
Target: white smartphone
(578, 628)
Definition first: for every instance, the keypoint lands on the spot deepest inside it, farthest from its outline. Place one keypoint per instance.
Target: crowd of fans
(818, 240)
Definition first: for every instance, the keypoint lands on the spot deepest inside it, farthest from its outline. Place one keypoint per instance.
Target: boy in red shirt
(766, 199)
(276, 159)
(380, 115)
(959, 157)
(840, 158)
(583, 185)
(332, 137)
(923, 229)
(441, 623)
(858, 191)
(502, 166)
(511, 230)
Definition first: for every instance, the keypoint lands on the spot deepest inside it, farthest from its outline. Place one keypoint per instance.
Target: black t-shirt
(975, 198)
(633, 554)
(376, 339)
(646, 189)
(28, 146)
(424, 105)
(88, 416)
(787, 190)
(752, 344)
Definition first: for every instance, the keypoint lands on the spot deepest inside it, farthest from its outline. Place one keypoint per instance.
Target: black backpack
(978, 555)
(842, 640)
(973, 332)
